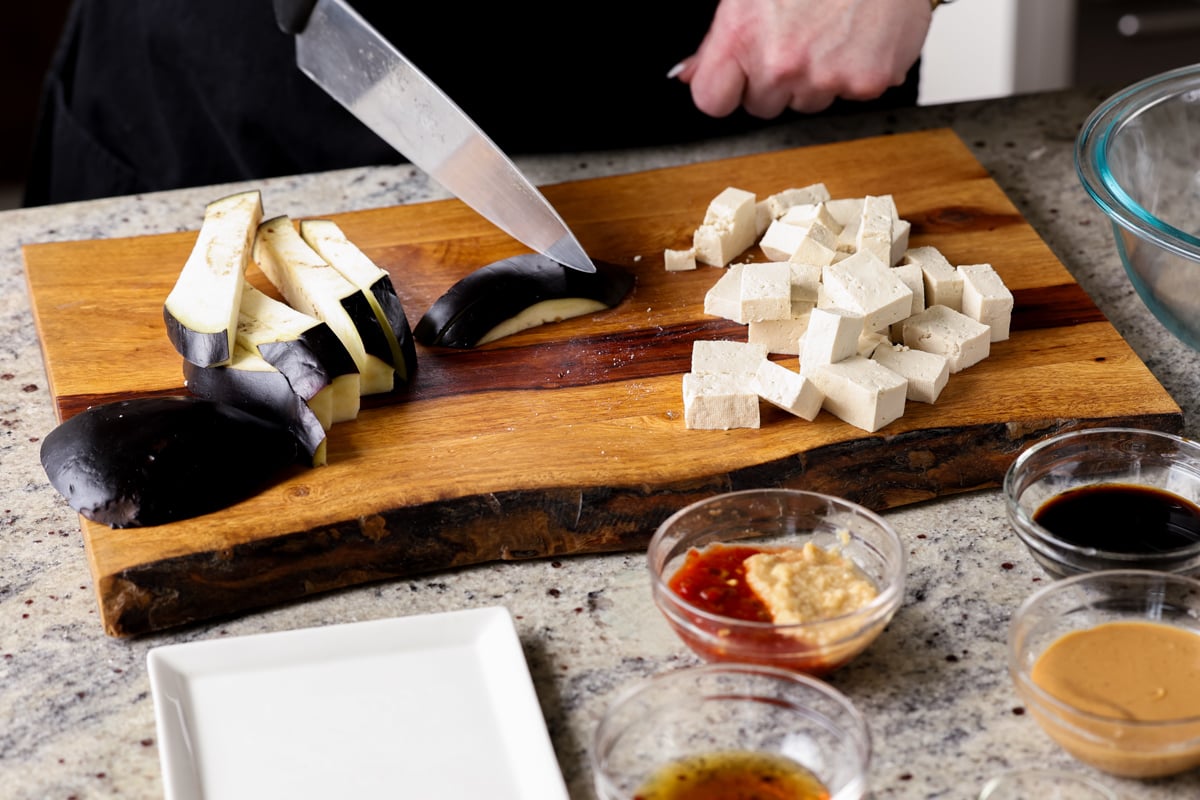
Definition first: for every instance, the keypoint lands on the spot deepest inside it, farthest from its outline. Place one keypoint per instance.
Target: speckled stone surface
(76, 712)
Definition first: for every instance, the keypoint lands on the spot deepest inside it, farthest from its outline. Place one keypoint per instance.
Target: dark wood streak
(878, 471)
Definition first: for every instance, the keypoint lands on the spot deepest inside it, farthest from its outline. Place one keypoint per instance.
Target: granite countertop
(76, 712)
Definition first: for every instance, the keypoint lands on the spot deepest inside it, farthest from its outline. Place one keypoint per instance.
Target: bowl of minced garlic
(781, 577)
(1108, 663)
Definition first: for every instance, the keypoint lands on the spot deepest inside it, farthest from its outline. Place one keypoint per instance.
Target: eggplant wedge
(331, 243)
(311, 285)
(516, 294)
(201, 311)
(301, 347)
(254, 386)
(150, 461)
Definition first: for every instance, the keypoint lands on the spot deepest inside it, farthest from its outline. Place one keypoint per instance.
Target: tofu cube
(861, 392)
(832, 335)
(986, 299)
(724, 298)
(867, 286)
(679, 260)
(778, 204)
(914, 279)
(807, 214)
(926, 373)
(779, 335)
(874, 234)
(943, 283)
(766, 291)
(788, 390)
(719, 402)
(728, 229)
(938, 329)
(806, 285)
(725, 357)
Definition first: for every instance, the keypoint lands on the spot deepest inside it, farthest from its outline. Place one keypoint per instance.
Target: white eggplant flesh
(248, 382)
(201, 310)
(515, 294)
(302, 347)
(311, 285)
(332, 244)
(155, 460)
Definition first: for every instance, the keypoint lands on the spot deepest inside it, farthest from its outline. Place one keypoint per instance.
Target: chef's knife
(360, 69)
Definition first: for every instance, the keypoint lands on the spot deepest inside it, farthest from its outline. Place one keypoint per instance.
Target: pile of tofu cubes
(873, 322)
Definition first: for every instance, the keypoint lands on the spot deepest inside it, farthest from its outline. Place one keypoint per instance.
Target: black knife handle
(292, 15)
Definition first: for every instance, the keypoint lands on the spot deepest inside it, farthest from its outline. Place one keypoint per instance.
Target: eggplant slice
(517, 293)
(154, 460)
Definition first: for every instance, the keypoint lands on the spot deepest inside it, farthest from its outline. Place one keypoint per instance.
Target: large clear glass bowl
(1138, 155)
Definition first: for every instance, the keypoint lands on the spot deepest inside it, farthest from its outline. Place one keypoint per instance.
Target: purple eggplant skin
(154, 460)
(503, 289)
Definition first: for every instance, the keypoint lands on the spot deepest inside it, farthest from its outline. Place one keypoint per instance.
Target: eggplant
(515, 294)
(201, 310)
(301, 347)
(154, 460)
(331, 243)
(311, 285)
(250, 383)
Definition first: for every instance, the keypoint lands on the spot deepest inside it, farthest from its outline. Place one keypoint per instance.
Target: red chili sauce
(714, 579)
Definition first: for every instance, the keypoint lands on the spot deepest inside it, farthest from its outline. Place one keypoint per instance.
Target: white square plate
(432, 706)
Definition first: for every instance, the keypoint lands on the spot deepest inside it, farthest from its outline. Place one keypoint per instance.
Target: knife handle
(292, 15)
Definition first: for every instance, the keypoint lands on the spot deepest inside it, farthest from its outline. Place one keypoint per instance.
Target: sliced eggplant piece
(302, 347)
(251, 384)
(332, 244)
(518, 293)
(155, 460)
(201, 311)
(311, 285)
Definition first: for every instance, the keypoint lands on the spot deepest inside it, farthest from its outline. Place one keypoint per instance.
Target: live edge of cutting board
(569, 439)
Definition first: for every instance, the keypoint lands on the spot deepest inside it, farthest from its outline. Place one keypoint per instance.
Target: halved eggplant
(302, 347)
(331, 243)
(201, 311)
(311, 285)
(515, 294)
(151, 461)
(250, 383)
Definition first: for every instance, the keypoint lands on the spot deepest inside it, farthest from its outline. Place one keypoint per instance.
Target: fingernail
(676, 70)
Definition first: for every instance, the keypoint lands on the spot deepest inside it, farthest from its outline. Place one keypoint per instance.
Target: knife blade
(344, 55)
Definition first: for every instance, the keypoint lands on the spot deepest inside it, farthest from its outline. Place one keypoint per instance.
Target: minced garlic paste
(809, 584)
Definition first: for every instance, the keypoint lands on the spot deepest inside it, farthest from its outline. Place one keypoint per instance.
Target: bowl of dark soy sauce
(1108, 498)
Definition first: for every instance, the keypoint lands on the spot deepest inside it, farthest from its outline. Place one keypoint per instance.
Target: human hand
(771, 55)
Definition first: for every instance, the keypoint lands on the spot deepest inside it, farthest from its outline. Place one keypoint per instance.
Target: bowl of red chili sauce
(781, 577)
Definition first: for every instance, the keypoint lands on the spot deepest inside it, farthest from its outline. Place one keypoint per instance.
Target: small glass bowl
(1137, 156)
(720, 708)
(1044, 784)
(1090, 456)
(773, 519)
(1114, 744)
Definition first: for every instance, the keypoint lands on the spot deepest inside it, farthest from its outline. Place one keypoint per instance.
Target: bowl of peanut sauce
(1108, 664)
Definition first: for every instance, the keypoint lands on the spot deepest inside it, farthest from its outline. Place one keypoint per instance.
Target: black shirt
(145, 95)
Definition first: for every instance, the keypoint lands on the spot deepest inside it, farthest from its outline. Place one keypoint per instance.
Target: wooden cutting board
(570, 438)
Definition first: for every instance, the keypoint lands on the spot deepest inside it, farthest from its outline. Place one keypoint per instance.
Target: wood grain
(569, 438)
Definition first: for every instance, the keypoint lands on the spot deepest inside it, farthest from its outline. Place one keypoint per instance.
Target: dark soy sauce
(1121, 518)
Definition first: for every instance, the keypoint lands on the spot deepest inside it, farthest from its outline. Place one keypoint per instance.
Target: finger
(684, 70)
(717, 86)
(812, 101)
(766, 103)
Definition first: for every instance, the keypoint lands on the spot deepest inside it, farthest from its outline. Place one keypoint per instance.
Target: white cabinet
(995, 48)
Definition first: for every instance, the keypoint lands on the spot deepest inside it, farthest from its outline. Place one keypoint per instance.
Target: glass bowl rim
(859, 728)
(1021, 673)
(1091, 157)
(886, 602)
(1045, 539)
